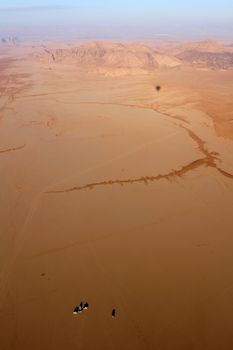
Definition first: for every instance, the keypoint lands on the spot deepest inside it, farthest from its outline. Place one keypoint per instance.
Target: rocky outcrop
(213, 60)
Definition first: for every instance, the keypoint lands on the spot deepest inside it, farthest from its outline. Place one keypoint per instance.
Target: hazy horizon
(97, 19)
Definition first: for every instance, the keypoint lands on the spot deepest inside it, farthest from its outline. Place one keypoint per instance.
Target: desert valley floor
(120, 195)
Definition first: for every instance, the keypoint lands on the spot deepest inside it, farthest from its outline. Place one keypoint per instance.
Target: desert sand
(115, 194)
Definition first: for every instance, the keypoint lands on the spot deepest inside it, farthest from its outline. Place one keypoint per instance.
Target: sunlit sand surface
(120, 195)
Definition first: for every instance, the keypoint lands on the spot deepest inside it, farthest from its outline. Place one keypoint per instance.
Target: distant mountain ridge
(110, 55)
(209, 54)
(218, 60)
(10, 40)
(205, 46)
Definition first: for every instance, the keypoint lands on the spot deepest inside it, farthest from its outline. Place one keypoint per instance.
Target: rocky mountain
(9, 40)
(117, 58)
(202, 46)
(213, 60)
(110, 56)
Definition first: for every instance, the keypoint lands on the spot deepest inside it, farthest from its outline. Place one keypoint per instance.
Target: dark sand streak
(225, 173)
(129, 105)
(12, 149)
(144, 179)
(208, 161)
(139, 106)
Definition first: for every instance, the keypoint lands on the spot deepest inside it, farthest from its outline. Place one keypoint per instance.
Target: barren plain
(117, 194)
